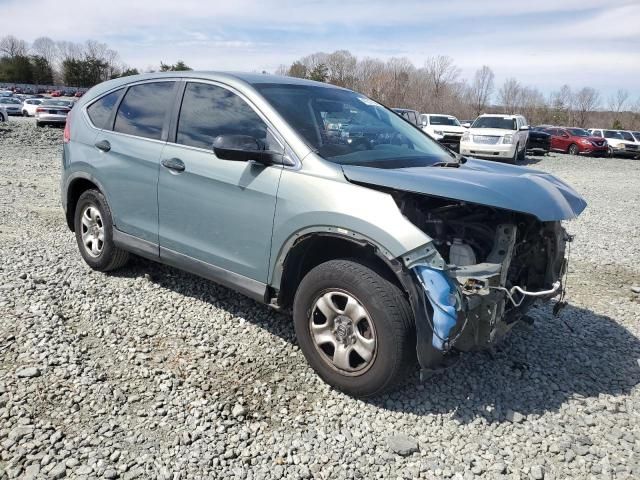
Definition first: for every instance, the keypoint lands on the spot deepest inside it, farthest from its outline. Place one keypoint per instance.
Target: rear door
(216, 211)
(129, 150)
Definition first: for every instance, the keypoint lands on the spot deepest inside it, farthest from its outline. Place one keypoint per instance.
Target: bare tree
(481, 89)
(562, 106)
(618, 100)
(13, 47)
(282, 70)
(509, 95)
(341, 66)
(440, 72)
(46, 48)
(586, 101)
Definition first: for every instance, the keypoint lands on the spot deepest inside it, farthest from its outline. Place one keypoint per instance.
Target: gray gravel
(153, 373)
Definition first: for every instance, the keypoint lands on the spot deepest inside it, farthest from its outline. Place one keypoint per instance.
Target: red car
(576, 141)
(56, 93)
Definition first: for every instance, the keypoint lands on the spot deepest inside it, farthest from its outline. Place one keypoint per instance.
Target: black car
(539, 142)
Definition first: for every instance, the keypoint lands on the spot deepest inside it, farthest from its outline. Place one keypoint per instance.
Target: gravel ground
(154, 373)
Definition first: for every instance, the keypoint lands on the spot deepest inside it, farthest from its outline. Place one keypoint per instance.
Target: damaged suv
(387, 248)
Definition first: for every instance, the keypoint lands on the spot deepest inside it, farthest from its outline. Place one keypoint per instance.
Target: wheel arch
(306, 250)
(77, 184)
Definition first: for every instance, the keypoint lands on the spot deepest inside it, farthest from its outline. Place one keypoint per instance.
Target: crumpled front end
(479, 275)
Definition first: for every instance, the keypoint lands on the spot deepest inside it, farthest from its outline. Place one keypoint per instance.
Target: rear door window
(143, 109)
(208, 111)
(100, 111)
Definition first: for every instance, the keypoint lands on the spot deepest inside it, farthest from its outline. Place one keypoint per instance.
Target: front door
(215, 211)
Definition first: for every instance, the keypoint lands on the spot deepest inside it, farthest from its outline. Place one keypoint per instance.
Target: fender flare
(64, 191)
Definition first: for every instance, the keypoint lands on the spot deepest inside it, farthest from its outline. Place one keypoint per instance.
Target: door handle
(174, 164)
(103, 145)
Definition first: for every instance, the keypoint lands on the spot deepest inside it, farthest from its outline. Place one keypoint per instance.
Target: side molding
(244, 285)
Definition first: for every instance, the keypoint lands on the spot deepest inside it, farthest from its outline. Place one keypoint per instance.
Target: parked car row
(508, 137)
(46, 110)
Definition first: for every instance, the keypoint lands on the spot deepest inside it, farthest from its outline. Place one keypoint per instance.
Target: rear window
(143, 109)
(100, 111)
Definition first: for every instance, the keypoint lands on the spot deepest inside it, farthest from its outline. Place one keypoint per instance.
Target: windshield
(636, 135)
(578, 132)
(503, 123)
(348, 128)
(618, 135)
(628, 136)
(9, 100)
(442, 120)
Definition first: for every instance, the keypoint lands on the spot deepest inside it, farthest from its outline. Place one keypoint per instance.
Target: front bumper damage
(471, 308)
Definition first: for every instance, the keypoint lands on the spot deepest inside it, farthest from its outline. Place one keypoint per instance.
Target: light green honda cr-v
(388, 248)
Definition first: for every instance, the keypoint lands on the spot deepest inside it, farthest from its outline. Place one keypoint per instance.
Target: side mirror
(466, 125)
(424, 123)
(524, 127)
(243, 148)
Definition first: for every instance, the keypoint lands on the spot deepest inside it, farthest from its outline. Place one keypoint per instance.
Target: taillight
(66, 138)
(39, 109)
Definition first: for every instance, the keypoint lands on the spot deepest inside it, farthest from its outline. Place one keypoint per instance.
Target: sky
(542, 43)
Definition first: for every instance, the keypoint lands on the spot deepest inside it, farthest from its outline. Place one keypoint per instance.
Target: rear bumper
(48, 118)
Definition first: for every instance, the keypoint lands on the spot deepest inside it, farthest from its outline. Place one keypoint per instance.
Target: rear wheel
(2, 119)
(25, 113)
(354, 327)
(94, 233)
(522, 155)
(573, 149)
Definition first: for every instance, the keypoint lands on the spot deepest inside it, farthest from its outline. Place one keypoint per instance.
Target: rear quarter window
(100, 111)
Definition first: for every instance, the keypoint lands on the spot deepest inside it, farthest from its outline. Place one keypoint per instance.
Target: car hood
(482, 182)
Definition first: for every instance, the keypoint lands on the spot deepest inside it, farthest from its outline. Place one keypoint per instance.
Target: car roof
(238, 79)
(499, 115)
(440, 115)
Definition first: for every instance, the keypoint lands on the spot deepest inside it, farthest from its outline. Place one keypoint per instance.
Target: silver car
(388, 249)
(53, 112)
(11, 105)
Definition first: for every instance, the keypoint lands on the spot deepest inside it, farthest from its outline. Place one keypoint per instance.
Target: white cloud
(543, 43)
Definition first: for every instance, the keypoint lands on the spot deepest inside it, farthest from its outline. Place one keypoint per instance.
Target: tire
(38, 124)
(2, 119)
(514, 160)
(573, 149)
(610, 152)
(92, 214)
(522, 156)
(384, 328)
(25, 113)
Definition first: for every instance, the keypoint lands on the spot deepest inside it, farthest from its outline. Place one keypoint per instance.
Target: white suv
(621, 143)
(496, 137)
(446, 129)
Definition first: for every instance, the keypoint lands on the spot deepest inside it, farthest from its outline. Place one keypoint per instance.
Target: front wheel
(354, 327)
(573, 149)
(514, 159)
(94, 233)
